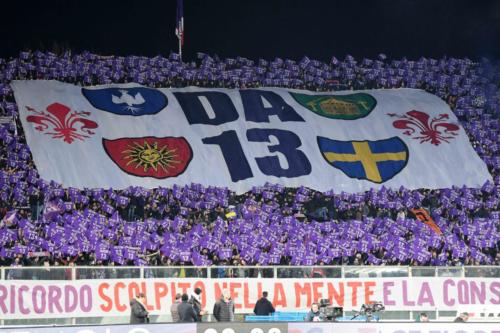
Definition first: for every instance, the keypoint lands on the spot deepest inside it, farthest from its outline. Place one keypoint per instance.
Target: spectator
(462, 318)
(138, 312)
(423, 318)
(224, 307)
(174, 309)
(263, 307)
(196, 302)
(187, 313)
(15, 274)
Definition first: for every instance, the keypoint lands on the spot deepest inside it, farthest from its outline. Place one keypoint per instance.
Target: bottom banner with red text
(88, 298)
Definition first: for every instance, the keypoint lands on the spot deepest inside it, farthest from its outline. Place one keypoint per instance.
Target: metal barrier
(214, 272)
(75, 273)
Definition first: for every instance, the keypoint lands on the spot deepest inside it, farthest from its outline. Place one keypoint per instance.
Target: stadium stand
(44, 223)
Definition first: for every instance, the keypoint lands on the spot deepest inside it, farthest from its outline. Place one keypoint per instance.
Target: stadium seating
(40, 218)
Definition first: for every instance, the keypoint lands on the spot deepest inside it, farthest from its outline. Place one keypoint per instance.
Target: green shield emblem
(346, 107)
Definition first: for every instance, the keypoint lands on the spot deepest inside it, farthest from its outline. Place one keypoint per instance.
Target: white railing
(73, 273)
(145, 272)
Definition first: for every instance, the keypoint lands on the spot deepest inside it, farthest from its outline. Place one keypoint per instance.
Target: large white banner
(89, 298)
(127, 135)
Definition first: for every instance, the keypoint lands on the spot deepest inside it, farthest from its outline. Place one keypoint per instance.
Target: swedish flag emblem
(376, 161)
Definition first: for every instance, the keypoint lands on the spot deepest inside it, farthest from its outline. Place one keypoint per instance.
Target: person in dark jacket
(263, 307)
(138, 312)
(187, 314)
(224, 308)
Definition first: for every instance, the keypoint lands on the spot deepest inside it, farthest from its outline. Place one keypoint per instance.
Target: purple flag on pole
(10, 218)
(51, 210)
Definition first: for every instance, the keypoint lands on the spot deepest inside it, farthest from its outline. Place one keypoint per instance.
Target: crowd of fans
(46, 224)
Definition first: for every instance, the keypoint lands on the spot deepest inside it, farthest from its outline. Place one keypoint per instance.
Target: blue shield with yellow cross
(376, 161)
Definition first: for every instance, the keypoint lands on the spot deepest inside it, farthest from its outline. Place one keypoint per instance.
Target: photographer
(315, 314)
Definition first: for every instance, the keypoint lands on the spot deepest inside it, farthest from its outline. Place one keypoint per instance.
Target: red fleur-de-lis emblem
(435, 130)
(62, 123)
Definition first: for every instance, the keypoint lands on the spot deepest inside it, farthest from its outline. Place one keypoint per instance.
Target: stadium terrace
(258, 183)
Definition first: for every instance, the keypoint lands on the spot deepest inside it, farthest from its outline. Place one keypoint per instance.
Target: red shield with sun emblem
(150, 156)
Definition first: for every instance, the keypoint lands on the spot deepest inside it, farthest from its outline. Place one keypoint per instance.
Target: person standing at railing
(196, 302)
(462, 318)
(187, 313)
(224, 308)
(174, 309)
(15, 274)
(46, 272)
(423, 318)
(138, 312)
(263, 307)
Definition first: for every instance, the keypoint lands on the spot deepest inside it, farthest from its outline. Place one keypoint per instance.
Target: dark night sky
(258, 28)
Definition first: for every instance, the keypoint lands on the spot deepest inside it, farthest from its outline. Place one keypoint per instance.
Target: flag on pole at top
(179, 28)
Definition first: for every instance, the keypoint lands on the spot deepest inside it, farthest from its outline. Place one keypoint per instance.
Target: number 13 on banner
(237, 162)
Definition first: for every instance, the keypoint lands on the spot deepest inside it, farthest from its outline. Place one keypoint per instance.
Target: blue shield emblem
(376, 161)
(136, 101)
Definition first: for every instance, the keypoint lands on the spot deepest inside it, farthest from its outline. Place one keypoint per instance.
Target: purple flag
(51, 210)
